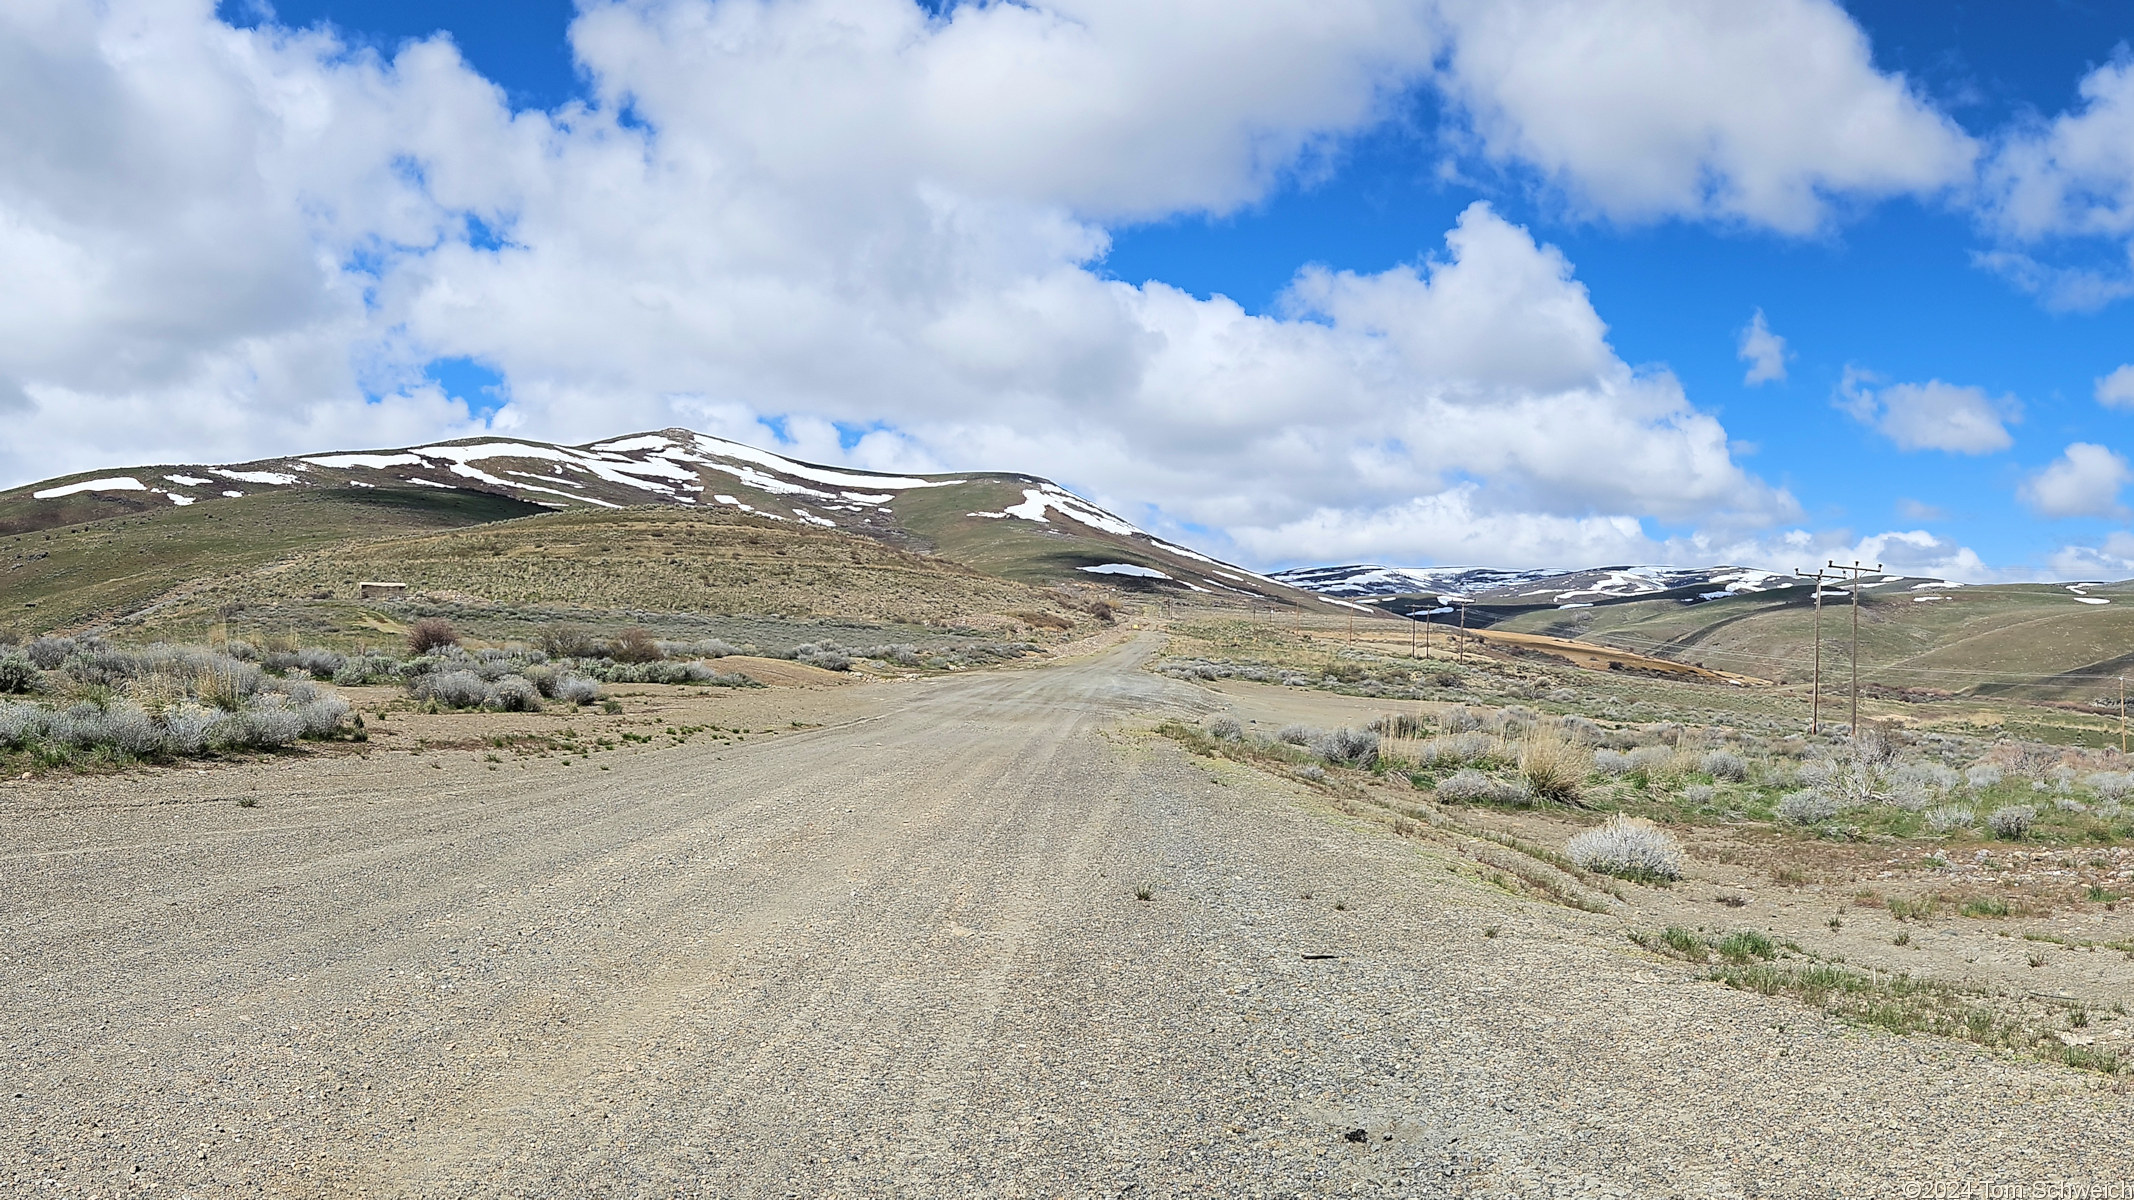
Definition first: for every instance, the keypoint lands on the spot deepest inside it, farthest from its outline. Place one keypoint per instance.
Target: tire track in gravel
(902, 957)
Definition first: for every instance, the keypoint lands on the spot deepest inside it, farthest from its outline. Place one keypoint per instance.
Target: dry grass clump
(1552, 767)
(634, 645)
(1627, 848)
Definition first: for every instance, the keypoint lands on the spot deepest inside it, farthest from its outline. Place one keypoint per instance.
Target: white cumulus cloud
(2116, 390)
(1760, 113)
(1931, 415)
(1763, 350)
(2083, 482)
(823, 216)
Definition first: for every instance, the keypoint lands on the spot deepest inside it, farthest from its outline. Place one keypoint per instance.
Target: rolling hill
(1920, 638)
(666, 521)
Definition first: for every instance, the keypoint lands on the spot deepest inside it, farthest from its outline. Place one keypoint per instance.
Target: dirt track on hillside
(903, 955)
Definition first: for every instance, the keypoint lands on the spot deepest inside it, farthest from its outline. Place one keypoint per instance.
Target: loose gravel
(907, 955)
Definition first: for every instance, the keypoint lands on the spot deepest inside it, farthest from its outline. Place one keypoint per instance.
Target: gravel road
(903, 955)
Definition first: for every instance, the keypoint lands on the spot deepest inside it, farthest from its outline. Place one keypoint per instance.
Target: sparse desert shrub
(99, 666)
(1807, 807)
(49, 652)
(453, 689)
(1313, 772)
(1348, 747)
(17, 672)
(577, 689)
(320, 664)
(367, 669)
(1400, 725)
(1459, 718)
(513, 693)
(1226, 729)
(1611, 762)
(1877, 745)
(710, 648)
(2110, 785)
(2011, 821)
(1468, 786)
(1296, 735)
(431, 634)
(1580, 730)
(634, 645)
(1724, 764)
(1699, 793)
(1553, 768)
(1454, 749)
(1628, 849)
(1981, 776)
(1652, 762)
(566, 639)
(185, 727)
(902, 654)
(21, 724)
(826, 655)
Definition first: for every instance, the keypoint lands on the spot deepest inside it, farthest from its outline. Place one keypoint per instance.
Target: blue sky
(1912, 288)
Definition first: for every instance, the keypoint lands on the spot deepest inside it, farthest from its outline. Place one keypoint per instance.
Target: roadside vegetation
(2048, 1026)
(83, 702)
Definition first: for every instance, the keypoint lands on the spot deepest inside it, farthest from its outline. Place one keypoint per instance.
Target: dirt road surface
(903, 955)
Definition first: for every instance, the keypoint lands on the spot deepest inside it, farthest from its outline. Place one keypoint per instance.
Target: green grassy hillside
(2037, 641)
(76, 575)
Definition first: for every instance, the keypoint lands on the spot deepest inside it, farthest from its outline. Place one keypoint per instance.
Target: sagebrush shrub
(1295, 735)
(49, 652)
(2111, 785)
(1724, 764)
(827, 657)
(1982, 775)
(1453, 749)
(1807, 807)
(17, 672)
(514, 694)
(577, 689)
(1651, 761)
(1469, 786)
(1611, 762)
(320, 664)
(454, 689)
(1628, 849)
(2011, 821)
(1226, 729)
(1348, 747)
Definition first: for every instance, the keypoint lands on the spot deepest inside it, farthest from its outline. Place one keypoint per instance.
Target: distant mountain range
(1013, 526)
(1496, 587)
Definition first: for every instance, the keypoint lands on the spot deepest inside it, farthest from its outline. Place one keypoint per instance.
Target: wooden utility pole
(1463, 635)
(1855, 571)
(1815, 697)
(1411, 637)
(2122, 715)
